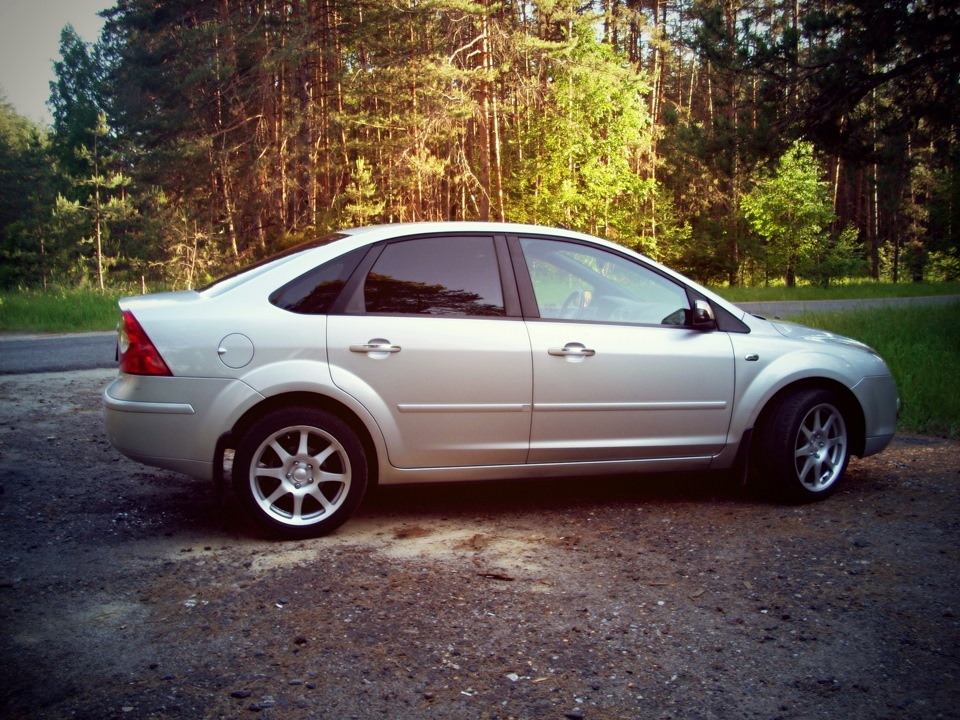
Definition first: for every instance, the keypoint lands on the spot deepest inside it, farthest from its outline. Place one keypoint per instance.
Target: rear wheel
(300, 472)
(804, 446)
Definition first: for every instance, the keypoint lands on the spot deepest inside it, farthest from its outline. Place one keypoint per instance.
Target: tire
(300, 472)
(804, 446)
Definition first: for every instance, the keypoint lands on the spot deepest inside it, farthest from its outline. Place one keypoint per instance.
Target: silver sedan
(478, 351)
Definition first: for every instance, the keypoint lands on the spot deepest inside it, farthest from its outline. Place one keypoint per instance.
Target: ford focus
(442, 352)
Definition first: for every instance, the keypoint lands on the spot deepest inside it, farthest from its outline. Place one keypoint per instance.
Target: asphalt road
(57, 353)
(786, 309)
(85, 351)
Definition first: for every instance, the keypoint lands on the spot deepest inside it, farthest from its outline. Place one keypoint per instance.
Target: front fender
(758, 382)
(768, 363)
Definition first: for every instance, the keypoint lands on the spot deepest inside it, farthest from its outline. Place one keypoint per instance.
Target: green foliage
(28, 186)
(847, 290)
(791, 210)
(943, 266)
(360, 204)
(76, 98)
(923, 355)
(101, 202)
(833, 257)
(59, 309)
(944, 233)
(584, 145)
(233, 127)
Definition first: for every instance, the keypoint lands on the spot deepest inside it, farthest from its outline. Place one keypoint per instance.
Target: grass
(58, 310)
(922, 347)
(848, 291)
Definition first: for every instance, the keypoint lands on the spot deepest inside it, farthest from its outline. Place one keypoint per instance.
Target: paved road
(61, 353)
(792, 308)
(57, 353)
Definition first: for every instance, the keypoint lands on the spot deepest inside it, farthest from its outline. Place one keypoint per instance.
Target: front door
(617, 374)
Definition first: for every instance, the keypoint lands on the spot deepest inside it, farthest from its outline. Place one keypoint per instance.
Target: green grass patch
(922, 347)
(59, 310)
(848, 291)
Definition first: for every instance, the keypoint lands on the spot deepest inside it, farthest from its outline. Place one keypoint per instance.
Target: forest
(742, 142)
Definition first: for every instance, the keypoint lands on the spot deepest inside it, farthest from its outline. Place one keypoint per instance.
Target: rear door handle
(572, 350)
(376, 347)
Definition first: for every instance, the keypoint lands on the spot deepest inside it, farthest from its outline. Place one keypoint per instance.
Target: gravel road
(127, 592)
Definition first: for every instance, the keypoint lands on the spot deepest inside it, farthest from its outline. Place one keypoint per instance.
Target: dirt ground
(128, 592)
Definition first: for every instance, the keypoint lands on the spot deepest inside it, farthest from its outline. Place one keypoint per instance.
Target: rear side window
(314, 292)
(436, 276)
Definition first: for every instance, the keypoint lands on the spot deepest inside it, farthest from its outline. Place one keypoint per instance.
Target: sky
(30, 42)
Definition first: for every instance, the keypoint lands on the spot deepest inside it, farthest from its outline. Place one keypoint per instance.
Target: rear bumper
(173, 423)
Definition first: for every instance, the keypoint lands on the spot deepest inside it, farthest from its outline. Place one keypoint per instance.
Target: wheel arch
(850, 406)
(310, 400)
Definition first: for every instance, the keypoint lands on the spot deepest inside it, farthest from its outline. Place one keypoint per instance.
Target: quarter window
(436, 276)
(314, 292)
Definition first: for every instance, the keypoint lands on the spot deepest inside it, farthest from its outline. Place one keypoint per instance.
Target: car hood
(809, 334)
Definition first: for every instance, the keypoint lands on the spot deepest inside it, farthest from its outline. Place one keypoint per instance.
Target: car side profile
(467, 351)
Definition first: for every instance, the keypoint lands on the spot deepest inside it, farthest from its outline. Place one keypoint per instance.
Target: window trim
(725, 321)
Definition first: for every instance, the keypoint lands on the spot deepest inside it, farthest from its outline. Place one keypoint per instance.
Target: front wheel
(804, 446)
(300, 472)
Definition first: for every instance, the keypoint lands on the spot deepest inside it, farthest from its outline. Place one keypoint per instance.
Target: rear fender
(307, 378)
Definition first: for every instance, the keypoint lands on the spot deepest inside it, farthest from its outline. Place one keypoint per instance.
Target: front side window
(577, 282)
(436, 276)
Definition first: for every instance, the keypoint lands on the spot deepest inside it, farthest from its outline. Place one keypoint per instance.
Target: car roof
(411, 228)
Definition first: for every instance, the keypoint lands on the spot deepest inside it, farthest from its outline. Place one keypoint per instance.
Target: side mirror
(703, 317)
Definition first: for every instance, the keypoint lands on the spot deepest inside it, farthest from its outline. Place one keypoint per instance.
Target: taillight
(138, 354)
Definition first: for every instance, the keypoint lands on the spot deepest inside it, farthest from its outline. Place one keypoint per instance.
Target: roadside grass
(851, 290)
(59, 310)
(922, 347)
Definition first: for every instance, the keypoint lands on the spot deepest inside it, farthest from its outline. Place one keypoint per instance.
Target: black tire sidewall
(778, 438)
(274, 422)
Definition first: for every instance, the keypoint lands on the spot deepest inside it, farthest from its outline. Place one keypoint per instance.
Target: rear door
(428, 346)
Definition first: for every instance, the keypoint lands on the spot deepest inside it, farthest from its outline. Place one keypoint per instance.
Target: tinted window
(314, 292)
(436, 276)
(577, 282)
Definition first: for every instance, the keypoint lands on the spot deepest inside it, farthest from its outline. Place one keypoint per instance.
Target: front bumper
(881, 408)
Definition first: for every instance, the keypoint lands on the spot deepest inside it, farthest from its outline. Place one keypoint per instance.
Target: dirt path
(129, 592)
